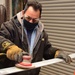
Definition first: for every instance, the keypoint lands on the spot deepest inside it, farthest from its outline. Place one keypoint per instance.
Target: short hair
(36, 6)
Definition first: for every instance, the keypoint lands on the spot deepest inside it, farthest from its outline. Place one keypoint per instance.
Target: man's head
(32, 11)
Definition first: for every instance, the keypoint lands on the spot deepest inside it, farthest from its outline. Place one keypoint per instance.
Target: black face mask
(29, 26)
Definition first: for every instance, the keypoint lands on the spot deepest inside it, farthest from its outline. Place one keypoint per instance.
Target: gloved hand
(26, 63)
(15, 53)
(63, 55)
(12, 51)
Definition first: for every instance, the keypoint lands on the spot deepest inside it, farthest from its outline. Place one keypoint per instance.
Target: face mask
(28, 25)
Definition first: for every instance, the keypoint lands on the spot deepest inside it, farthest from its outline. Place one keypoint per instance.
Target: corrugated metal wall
(58, 17)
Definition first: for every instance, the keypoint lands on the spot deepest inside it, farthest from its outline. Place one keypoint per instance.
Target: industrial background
(58, 17)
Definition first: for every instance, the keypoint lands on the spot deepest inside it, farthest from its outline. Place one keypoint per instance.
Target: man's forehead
(32, 13)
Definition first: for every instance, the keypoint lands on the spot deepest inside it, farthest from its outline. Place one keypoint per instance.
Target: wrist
(57, 53)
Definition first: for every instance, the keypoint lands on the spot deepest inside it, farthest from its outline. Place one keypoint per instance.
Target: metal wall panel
(58, 17)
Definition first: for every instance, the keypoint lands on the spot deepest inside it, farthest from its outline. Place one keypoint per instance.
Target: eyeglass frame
(34, 20)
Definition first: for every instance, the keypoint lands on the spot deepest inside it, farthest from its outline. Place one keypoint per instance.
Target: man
(25, 34)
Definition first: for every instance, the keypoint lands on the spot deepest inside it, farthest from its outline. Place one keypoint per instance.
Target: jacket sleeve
(5, 34)
(49, 51)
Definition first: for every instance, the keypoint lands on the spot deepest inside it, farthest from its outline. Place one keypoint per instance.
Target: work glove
(13, 52)
(63, 55)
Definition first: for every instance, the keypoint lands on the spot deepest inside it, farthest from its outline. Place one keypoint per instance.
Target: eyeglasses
(34, 20)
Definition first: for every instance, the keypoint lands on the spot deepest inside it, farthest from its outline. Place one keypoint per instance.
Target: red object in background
(74, 72)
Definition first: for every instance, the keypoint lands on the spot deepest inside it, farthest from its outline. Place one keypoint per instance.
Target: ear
(23, 12)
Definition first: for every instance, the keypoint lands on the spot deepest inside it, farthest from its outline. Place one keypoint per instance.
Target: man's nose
(31, 21)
